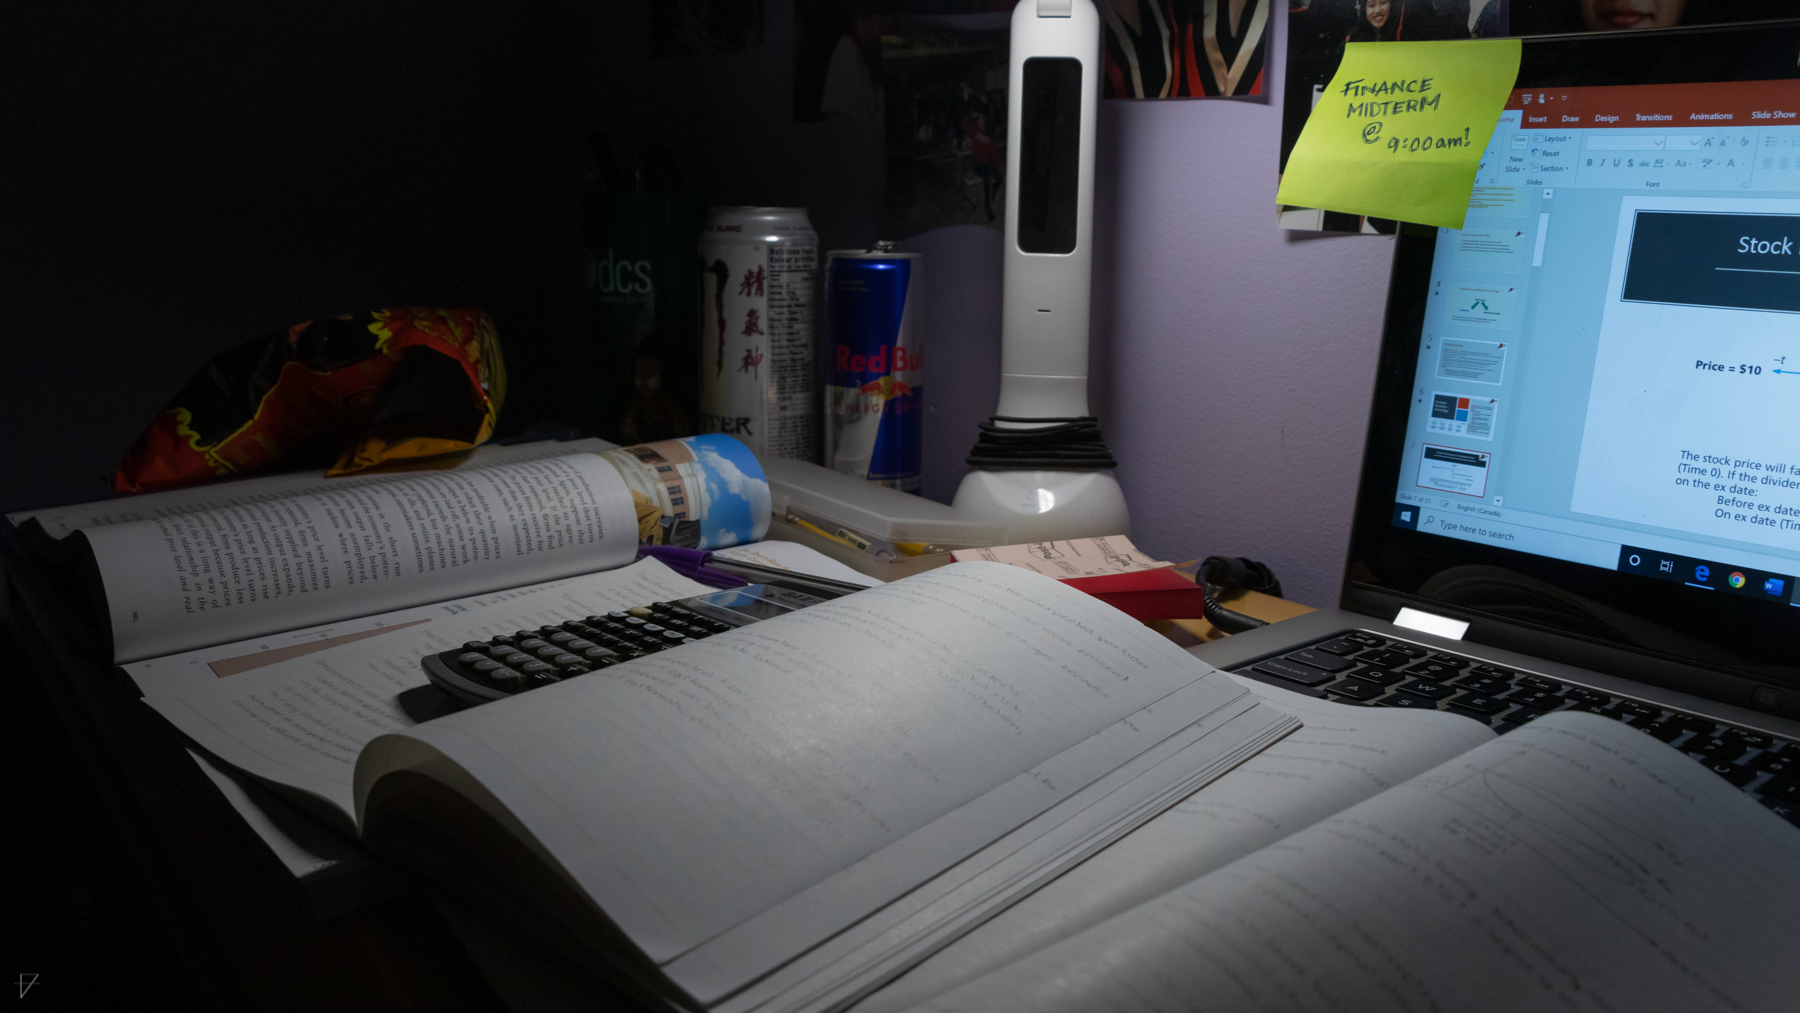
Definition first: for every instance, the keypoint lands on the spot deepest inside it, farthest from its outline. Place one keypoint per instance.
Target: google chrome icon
(1736, 580)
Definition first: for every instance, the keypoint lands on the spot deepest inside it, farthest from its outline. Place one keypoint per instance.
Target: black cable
(1223, 619)
(1218, 572)
(1066, 442)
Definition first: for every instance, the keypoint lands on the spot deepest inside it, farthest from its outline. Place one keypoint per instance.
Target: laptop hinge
(1427, 622)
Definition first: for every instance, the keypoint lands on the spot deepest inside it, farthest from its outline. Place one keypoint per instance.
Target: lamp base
(1041, 506)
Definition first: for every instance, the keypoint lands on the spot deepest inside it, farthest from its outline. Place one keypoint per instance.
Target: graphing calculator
(483, 670)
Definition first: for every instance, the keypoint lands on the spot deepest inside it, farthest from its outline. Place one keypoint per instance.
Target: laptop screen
(1604, 366)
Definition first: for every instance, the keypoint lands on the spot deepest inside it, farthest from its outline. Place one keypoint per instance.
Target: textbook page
(692, 790)
(59, 522)
(201, 668)
(191, 579)
(301, 723)
(1575, 863)
(1341, 756)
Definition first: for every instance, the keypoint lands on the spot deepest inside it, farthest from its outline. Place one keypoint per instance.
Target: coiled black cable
(1068, 442)
(1218, 572)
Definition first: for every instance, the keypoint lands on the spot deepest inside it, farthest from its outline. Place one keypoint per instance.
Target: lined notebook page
(1342, 756)
(1573, 864)
(691, 790)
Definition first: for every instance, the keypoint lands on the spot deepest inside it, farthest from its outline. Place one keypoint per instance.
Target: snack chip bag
(363, 390)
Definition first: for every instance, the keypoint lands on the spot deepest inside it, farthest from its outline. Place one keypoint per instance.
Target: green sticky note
(1400, 130)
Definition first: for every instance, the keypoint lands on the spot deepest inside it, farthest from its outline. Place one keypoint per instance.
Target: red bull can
(757, 371)
(874, 405)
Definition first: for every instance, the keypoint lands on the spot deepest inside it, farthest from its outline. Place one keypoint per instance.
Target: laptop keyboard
(1363, 668)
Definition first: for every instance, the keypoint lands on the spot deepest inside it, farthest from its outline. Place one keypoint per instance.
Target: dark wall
(181, 178)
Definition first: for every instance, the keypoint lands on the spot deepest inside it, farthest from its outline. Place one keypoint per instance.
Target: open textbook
(836, 786)
(1573, 864)
(175, 571)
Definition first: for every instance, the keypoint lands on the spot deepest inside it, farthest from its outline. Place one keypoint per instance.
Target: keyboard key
(1425, 688)
(1781, 789)
(1486, 685)
(1786, 810)
(1577, 694)
(476, 645)
(1536, 682)
(1661, 731)
(1342, 645)
(1714, 747)
(565, 661)
(532, 644)
(515, 659)
(1777, 763)
(1525, 715)
(1636, 710)
(1450, 659)
(1750, 739)
(1355, 689)
(1486, 706)
(1738, 774)
(1252, 673)
(1492, 671)
(1408, 650)
(1384, 659)
(531, 668)
(1695, 723)
(1407, 700)
(1529, 697)
(471, 657)
(1365, 639)
(1378, 675)
(486, 665)
(1319, 659)
(1305, 675)
(1431, 670)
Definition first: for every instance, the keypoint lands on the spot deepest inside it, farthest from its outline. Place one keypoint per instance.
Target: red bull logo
(887, 359)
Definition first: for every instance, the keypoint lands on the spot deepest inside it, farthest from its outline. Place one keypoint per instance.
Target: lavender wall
(1231, 362)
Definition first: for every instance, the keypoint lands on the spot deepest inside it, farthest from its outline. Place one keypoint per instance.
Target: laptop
(1581, 483)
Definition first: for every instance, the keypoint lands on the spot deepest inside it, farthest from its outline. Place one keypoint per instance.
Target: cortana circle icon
(1635, 560)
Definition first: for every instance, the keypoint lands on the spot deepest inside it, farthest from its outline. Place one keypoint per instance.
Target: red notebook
(1145, 594)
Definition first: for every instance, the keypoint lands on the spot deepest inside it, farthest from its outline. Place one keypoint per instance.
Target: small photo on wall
(1185, 48)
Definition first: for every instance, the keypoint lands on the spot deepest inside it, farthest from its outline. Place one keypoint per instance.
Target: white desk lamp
(1041, 470)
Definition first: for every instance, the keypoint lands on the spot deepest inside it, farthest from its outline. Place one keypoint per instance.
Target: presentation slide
(1479, 361)
(1690, 418)
(1480, 305)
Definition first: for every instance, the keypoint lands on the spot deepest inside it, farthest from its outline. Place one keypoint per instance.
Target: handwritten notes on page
(1574, 864)
(1399, 131)
(1342, 756)
(1078, 557)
